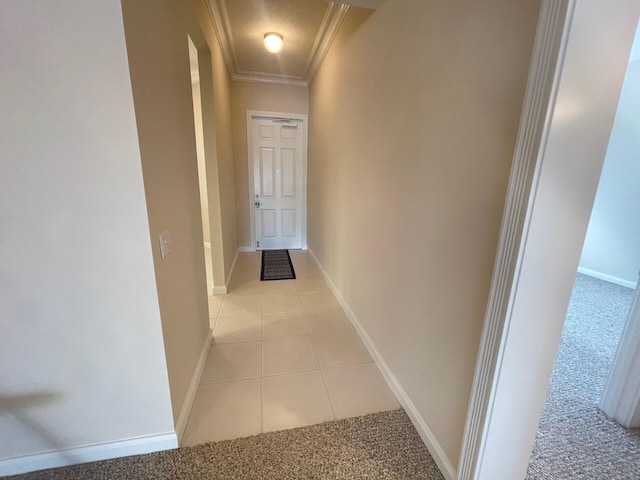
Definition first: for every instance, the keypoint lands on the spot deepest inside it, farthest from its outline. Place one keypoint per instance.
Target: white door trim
(304, 118)
(541, 91)
(551, 189)
(621, 397)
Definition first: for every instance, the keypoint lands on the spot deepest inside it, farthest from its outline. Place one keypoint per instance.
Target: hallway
(284, 355)
(419, 120)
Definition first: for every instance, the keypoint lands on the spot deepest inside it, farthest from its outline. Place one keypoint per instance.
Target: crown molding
(368, 4)
(271, 75)
(220, 20)
(331, 22)
(334, 15)
(273, 79)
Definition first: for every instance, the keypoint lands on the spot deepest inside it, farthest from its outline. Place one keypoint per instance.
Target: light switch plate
(165, 244)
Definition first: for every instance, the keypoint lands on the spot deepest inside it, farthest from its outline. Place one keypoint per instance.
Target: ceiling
(308, 28)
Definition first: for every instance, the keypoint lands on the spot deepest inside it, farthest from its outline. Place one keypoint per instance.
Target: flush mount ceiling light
(273, 42)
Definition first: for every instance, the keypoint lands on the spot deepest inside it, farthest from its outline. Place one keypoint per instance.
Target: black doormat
(276, 265)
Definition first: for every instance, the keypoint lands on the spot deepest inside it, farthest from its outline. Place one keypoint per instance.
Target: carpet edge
(429, 439)
(88, 453)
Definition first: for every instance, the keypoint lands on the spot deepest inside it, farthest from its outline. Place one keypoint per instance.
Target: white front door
(277, 181)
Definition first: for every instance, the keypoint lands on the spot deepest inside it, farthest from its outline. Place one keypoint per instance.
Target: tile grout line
(218, 316)
(200, 384)
(261, 365)
(186, 425)
(223, 382)
(324, 379)
(291, 372)
(305, 314)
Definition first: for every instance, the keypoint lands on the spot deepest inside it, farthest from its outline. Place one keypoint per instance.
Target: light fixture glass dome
(273, 42)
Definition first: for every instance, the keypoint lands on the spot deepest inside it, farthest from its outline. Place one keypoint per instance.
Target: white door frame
(578, 66)
(304, 118)
(621, 397)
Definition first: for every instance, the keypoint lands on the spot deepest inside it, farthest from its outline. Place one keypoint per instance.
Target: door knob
(257, 204)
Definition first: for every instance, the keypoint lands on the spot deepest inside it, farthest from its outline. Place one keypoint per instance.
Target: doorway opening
(575, 432)
(574, 435)
(201, 70)
(202, 167)
(562, 143)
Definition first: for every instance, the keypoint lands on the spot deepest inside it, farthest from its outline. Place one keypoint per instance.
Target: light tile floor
(284, 355)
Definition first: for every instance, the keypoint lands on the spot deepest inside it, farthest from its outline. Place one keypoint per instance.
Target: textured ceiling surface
(372, 4)
(308, 28)
(298, 21)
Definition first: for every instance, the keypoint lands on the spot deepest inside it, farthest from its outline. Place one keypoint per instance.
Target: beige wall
(413, 120)
(81, 355)
(256, 96)
(158, 52)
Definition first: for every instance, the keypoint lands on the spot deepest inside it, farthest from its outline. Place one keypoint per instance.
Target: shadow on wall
(18, 406)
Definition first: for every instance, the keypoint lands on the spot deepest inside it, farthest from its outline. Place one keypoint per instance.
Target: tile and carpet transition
(575, 439)
(377, 446)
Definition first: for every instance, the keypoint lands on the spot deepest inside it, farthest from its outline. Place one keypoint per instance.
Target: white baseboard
(223, 289)
(90, 453)
(427, 436)
(232, 269)
(607, 278)
(183, 417)
(219, 290)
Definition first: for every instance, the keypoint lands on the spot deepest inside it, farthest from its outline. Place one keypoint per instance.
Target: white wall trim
(89, 453)
(304, 118)
(275, 76)
(256, 78)
(542, 86)
(220, 22)
(543, 227)
(329, 27)
(436, 451)
(223, 289)
(232, 270)
(187, 405)
(621, 397)
(220, 290)
(607, 278)
(207, 245)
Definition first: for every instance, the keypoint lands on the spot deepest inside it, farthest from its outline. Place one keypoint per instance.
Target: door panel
(289, 133)
(267, 132)
(289, 223)
(268, 223)
(288, 173)
(267, 172)
(277, 172)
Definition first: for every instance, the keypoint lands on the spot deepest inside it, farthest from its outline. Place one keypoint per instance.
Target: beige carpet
(378, 446)
(575, 439)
